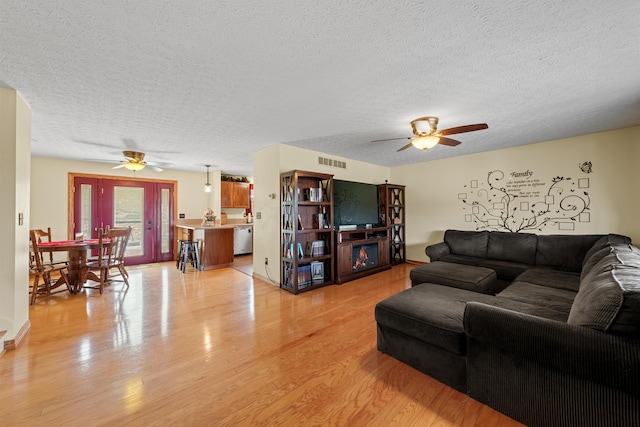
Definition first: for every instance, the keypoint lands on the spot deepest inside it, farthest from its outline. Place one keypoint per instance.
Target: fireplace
(365, 256)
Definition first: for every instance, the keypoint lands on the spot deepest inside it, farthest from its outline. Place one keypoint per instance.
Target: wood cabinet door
(226, 194)
(383, 252)
(344, 260)
(234, 194)
(240, 195)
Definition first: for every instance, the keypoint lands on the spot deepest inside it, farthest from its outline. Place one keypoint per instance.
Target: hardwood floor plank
(219, 347)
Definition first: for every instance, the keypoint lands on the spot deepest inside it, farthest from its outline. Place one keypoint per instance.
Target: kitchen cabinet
(234, 194)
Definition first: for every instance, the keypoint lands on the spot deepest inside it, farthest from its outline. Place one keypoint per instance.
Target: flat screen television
(355, 203)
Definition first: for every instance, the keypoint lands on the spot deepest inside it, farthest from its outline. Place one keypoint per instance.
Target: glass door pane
(165, 221)
(128, 211)
(86, 210)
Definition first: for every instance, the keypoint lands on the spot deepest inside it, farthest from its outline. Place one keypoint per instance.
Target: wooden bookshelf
(306, 230)
(391, 199)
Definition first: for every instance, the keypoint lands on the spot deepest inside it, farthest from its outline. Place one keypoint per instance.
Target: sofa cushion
(558, 300)
(609, 257)
(565, 252)
(514, 247)
(461, 276)
(470, 243)
(552, 278)
(461, 259)
(602, 243)
(595, 259)
(609, 300)
(531, 309)
(506, 270)
(609, 296)
(430, 313)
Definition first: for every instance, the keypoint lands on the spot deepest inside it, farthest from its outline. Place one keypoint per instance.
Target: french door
(145, 206)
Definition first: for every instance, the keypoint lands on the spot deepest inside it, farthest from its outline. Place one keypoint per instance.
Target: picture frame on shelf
(317, 272)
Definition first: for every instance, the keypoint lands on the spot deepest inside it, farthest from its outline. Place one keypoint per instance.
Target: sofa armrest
(437, 251)
(577, 351)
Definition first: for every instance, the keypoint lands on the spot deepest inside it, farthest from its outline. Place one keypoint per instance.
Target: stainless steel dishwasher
(243, 239)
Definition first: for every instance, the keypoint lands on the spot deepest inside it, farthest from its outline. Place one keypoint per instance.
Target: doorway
(147, 206)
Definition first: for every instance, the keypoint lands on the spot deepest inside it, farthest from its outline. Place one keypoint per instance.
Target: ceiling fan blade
(101, 161)
(160, 164)
(118, 167)
(448, 141)
(406, 146)
(392, 139)
(462, 129)
(155, 168)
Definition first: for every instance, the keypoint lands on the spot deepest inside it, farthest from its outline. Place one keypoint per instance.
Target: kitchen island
(216, 243)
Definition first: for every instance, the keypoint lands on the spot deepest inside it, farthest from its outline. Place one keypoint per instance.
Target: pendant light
(208, 188)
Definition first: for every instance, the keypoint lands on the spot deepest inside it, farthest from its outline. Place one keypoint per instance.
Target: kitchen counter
(216, 243)
(206, 227)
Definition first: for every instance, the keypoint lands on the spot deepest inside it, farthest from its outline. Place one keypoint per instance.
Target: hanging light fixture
(424, 142)
(134, 166)
(135, 160)
(208, 188)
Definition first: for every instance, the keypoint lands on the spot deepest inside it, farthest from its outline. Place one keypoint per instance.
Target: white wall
(267, 166)
(433, 187)
(15, 152)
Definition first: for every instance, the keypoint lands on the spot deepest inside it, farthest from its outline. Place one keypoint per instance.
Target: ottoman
(423, 327)
(469, 277)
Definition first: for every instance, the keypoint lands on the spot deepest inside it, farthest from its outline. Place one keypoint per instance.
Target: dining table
(77, 255)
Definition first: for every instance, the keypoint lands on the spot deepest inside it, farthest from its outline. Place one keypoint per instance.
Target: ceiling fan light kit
(426, 140)
(208, 188)
(134, 166)
(135, 160)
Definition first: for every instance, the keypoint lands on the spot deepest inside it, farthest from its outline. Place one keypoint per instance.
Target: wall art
(521, 202)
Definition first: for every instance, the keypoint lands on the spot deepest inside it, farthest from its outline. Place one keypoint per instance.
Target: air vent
(331, 162)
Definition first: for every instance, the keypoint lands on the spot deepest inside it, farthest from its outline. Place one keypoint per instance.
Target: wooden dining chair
(110, 262)
(45, 269)
(45, 236)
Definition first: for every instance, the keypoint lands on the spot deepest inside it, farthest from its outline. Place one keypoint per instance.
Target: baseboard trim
(2, 350)
(14, 343)
(412, 261)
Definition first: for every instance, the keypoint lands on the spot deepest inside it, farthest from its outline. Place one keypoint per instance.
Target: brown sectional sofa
(552, 339)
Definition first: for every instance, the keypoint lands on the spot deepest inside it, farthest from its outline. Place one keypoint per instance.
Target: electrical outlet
(266, 261)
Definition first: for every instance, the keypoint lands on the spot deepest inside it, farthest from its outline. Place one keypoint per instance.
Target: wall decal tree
(517, 203)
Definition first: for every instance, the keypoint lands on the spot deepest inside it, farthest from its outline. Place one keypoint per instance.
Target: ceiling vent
(331, 162)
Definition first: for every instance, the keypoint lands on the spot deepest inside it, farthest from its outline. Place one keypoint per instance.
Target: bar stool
(188, 253)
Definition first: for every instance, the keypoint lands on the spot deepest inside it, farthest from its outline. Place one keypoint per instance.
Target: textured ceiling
(199, 81)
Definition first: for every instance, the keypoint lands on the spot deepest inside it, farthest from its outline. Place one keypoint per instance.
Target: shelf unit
(306, 219)
(361, 252)
(392, 213)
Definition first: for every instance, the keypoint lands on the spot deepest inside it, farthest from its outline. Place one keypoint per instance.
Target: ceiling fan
(135, 162)
(426, 140)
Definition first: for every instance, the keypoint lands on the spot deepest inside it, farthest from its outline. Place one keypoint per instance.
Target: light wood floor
(221, 348)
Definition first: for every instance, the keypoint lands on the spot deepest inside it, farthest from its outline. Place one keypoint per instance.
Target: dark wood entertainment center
(315, 252)
(375, 243)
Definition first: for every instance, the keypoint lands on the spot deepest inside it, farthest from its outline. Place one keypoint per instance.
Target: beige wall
(267, 166)
(15, 152)
(49, 190)
(433, 187)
